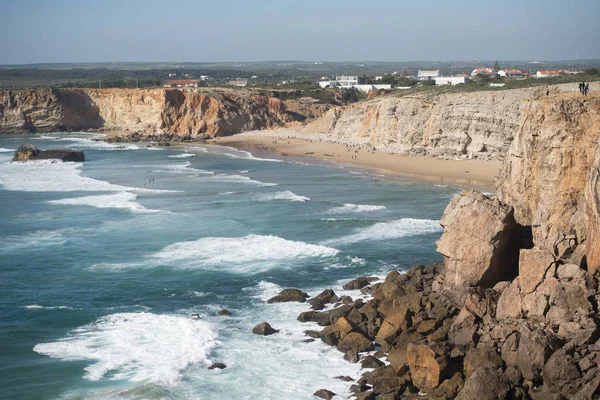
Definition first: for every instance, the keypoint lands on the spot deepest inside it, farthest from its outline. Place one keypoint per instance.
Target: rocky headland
(512, 312)
(28, 152)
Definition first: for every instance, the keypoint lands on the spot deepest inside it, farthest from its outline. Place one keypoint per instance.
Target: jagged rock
(592, 214)
(383, 380)
(359, 283)
(485, 383)
(325, 297)
(560, 371)
(217, 366)
(398, 360)
(533, 265)
(535, 347)
(344, 378)
(334, 333)
(354, 341)
(28, 152)
(567, 300)
(510, 303)
(450, 387)
(324, 394)
(427, 365)
(224, 313)
(371, 362)
(463, 331)
(392, 326)
(476, 358)
(535, 305)
(510, 349)
(264, 329)
(287, 295)
(365, 396)
(569, 271)
(493, 236)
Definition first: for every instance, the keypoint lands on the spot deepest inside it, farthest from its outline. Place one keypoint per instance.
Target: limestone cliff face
(474, 125)
(186, 113)
(547, 169)
(45, 110)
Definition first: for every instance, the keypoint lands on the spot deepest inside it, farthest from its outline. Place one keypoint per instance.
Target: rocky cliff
(183, 113)
(474, 125)
(513, 311)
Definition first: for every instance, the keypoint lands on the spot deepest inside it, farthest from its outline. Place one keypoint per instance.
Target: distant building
(239, 82)
(325, 84)
(428, 75)
(181, 83)
(511, 73)
(367, 88)
(548, 74)
(347, 81)
(450, 80)
(204, 77)
(484, 71)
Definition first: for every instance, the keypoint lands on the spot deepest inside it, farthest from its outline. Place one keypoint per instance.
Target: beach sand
(471, 173)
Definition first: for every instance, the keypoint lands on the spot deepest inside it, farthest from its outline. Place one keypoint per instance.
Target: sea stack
(28, 152)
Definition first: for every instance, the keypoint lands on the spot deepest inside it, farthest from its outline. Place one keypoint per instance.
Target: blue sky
(327, 30)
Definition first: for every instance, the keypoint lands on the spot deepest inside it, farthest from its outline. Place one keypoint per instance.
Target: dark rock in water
(344, 378)
(325, 394)
(325, 297)
(308, 340)
(217, 366)
(264, 329)
(312, 334)
(359, 283)
(28, 152)
(224, 313)
(287, 295)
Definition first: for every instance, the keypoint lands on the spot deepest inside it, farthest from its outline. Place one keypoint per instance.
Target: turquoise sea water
(103, 263)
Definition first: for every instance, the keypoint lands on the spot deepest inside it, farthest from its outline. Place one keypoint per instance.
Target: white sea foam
(284, 195)
(55, 176)
(38, 307)
(32, 240)
(183, 155)
(79, 142)
(117, 200)
(243, 155)
(136, 346)
(185, 168)
(389, 230)
(224, 178)
(4, 150)
(248, 254)
(354, 208)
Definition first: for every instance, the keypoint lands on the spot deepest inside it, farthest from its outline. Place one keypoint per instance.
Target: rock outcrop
(28, 152)
(154, 111)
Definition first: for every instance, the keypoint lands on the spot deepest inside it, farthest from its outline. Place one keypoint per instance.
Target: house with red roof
(511, 73)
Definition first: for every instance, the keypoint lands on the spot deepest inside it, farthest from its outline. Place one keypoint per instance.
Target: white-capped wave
(136, 346)
(284, 195)
(354, 208)
(116, 200)
(248, 254)
(183, 155)
(55, 176)
(389, 230)
(38, 307)
(224, 178)
(93, 142)
(185, 168)
(4, 150)
(232, 152)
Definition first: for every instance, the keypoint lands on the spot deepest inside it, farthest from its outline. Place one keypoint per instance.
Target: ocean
(103, 263)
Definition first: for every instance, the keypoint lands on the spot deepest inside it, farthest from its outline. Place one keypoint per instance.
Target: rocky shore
(512, 312)
(28, 152)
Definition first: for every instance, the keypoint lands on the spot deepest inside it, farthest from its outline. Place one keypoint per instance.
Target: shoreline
(471, 173)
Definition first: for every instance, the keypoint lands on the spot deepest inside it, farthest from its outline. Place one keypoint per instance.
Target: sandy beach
(472, 173)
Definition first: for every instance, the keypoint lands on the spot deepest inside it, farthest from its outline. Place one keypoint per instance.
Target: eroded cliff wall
(474, 125)
(185, 113)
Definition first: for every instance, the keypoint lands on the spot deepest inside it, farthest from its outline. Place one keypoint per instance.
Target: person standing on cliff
(581, 87)
(587, 88)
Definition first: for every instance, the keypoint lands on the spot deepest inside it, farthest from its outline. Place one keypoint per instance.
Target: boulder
(354, 341)
(560, 371)
(488, 226)
(264, 329)
(383, 380)
(485, 383)
(334, 333)
(224, 313)
(510, 349)
(510, 303)
(392, 326)
(427, 365)
(28, 152)
(287, 295)
(463, 331)
(476, 358)
(535, 347)
(324, 394)
(371, 362)
(533, 265)
(359, 283)
(325, 297)
(567, 301)
(450, 387)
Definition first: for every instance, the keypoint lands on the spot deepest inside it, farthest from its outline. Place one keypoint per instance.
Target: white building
(547, 74)
(450, 80)
(369, 87)
(428, 75)
(325, 84)
(511, 73)
(347, 81)
(484, 71)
